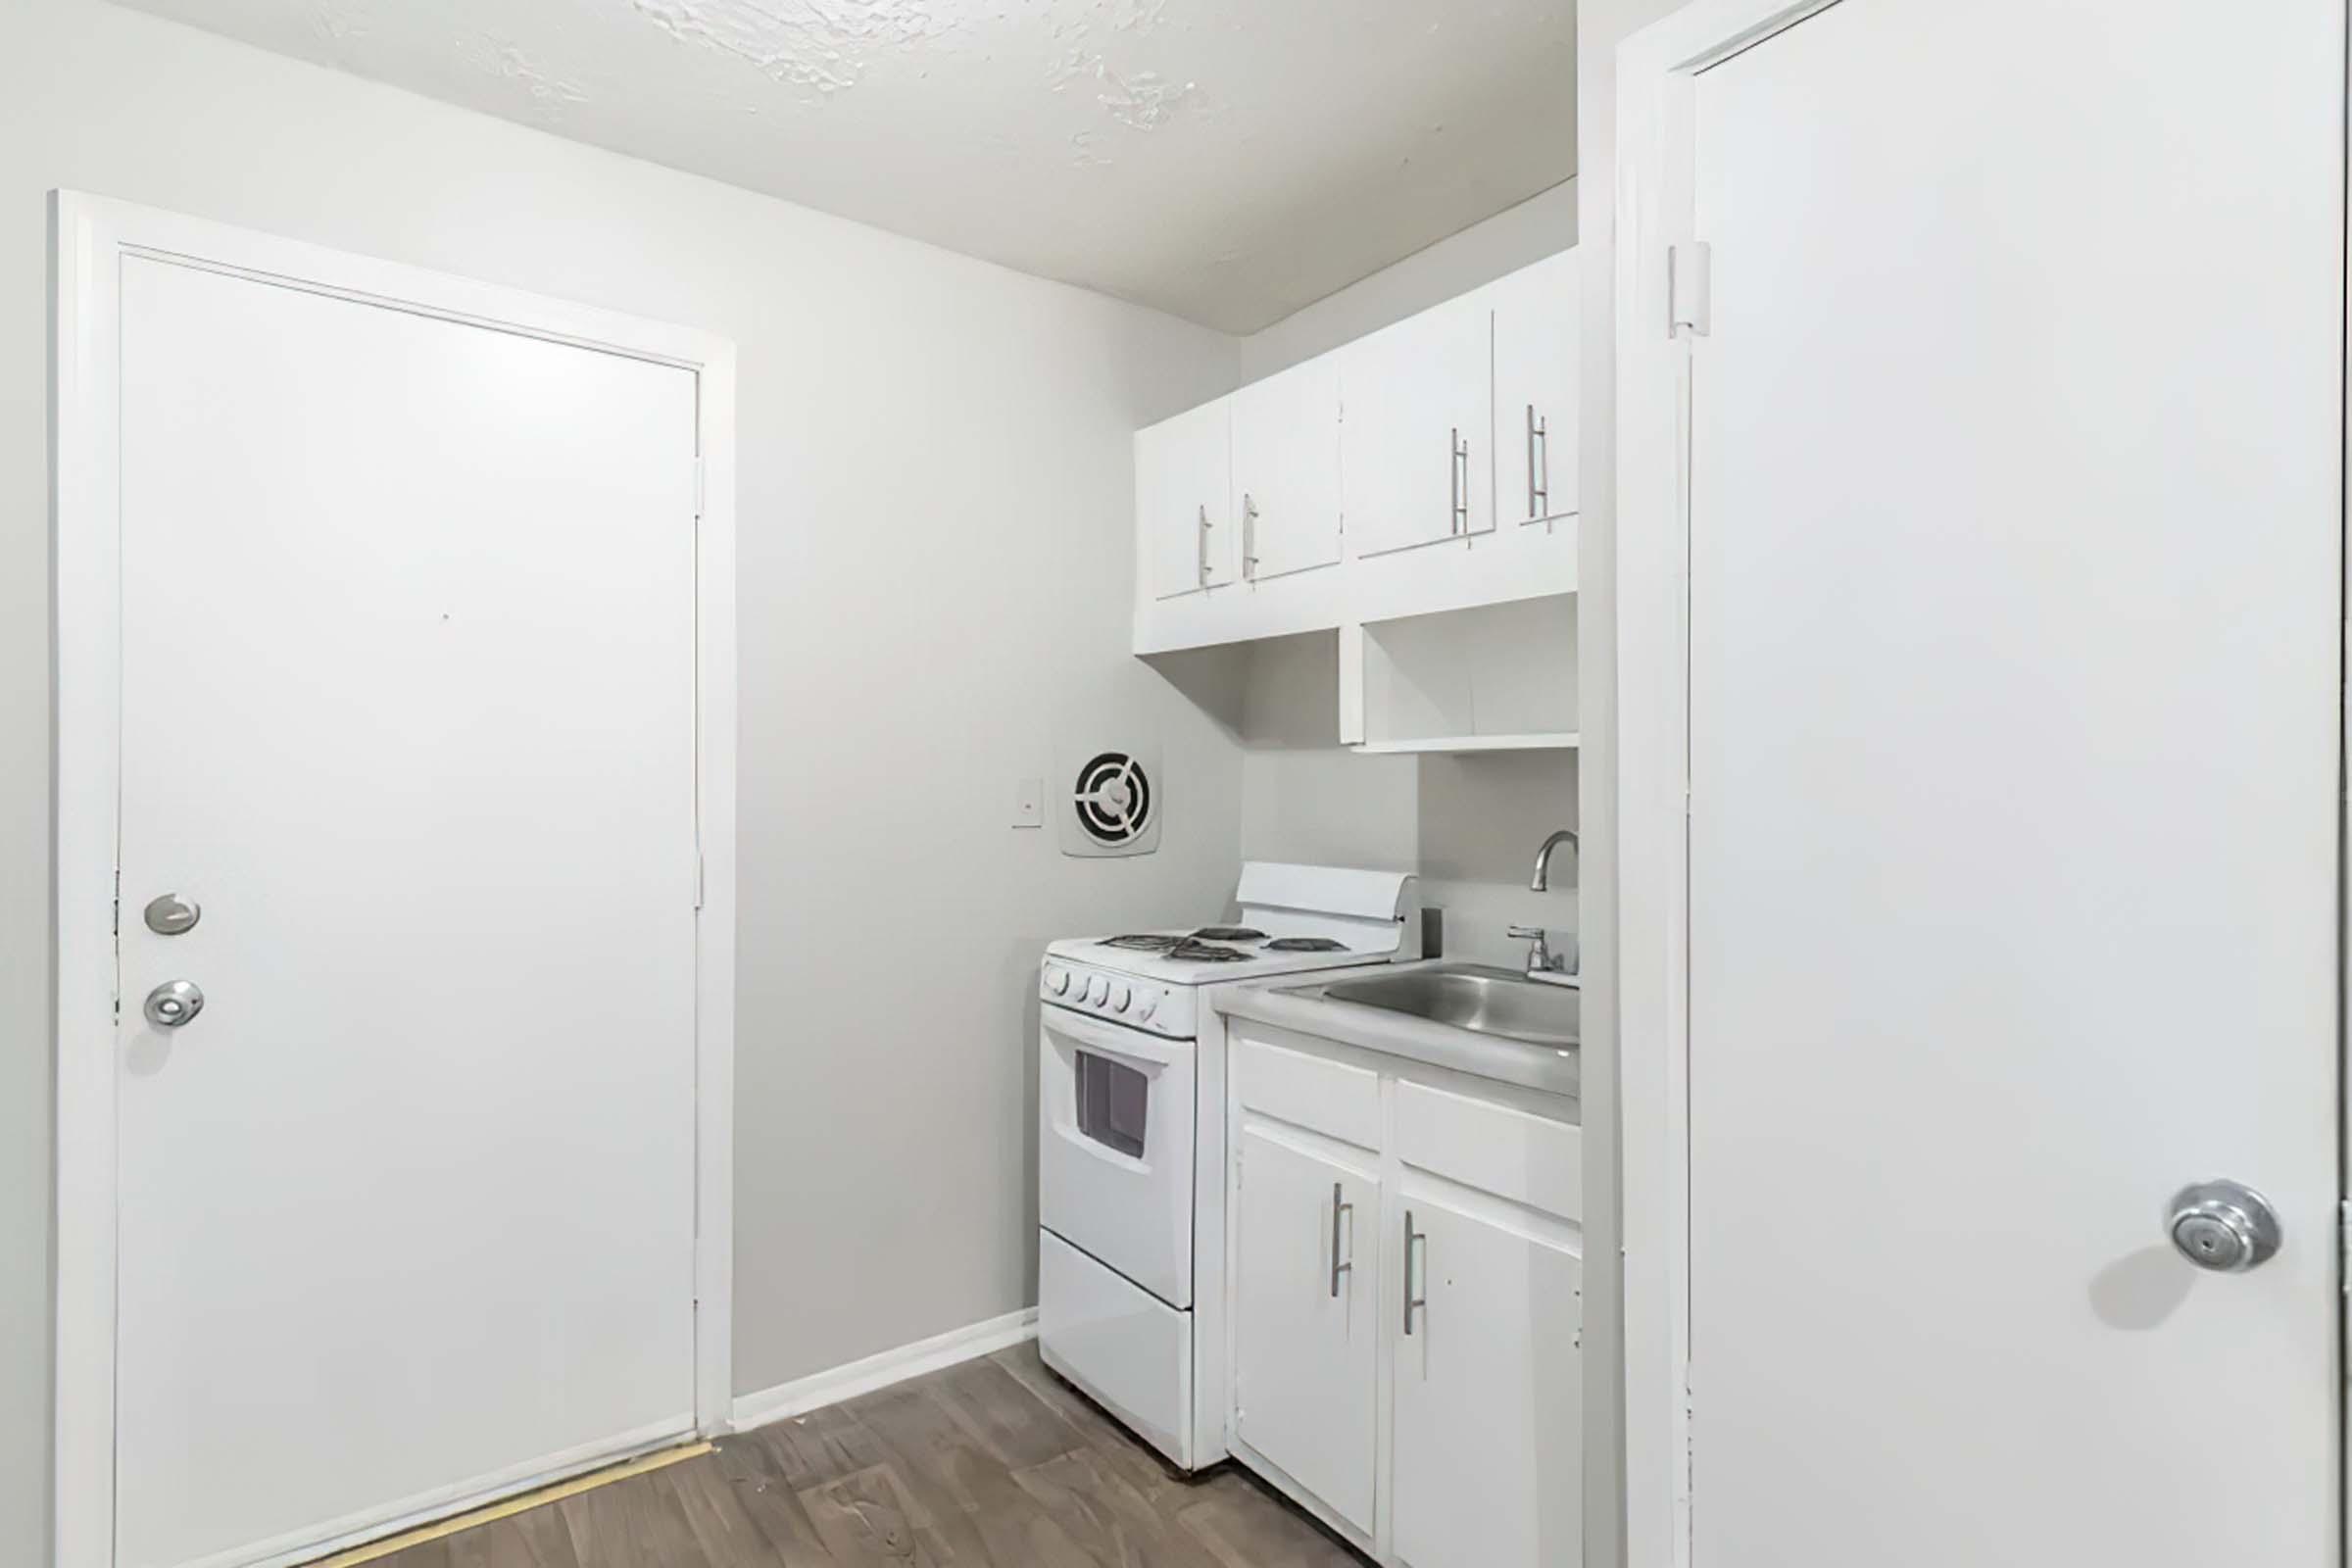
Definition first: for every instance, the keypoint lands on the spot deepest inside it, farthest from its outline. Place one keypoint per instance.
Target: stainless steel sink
(1473, 997)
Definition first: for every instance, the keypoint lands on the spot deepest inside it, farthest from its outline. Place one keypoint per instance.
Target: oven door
(1114, 1175)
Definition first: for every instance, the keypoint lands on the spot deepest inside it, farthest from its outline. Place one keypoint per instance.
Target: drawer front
(1327, 1097)
(1495, 1148)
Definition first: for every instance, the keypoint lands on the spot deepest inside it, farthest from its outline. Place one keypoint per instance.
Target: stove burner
(1305, 945)
(1194, 951)
(1227, 933)
(1143, 944)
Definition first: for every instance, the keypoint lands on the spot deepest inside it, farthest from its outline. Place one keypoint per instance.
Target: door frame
(89, 239)
(1654, 209)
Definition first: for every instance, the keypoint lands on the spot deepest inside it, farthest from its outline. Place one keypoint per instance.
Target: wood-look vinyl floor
(995, 1463)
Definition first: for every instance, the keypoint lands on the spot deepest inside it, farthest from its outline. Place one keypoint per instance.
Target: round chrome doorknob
(2223, 1226)
(173, 1003)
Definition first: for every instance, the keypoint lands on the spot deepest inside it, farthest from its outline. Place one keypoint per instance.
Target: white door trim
(1656, 70)
(89, 238)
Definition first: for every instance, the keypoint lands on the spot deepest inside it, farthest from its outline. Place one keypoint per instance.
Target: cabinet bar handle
(1339, 1206)
(1539, 467)
(1200, 543)
(1248, 537)
(1411, 1299)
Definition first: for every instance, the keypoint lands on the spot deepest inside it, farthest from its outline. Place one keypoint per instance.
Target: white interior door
(407, 1211)
(2015, 612)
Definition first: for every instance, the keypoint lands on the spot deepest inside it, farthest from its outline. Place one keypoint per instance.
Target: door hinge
(118, 916)
(698, 486)
(698, 879)
(2343, 1238)
(1687, 289)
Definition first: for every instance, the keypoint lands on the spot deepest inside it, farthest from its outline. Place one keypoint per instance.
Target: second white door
(407, 1208)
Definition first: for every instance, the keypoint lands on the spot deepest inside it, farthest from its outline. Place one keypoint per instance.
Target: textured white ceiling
(1229, 161)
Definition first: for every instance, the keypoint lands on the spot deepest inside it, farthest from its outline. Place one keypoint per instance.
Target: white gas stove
(1131, 1144)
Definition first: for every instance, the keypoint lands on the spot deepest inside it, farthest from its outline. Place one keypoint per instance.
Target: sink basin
(1473, 997)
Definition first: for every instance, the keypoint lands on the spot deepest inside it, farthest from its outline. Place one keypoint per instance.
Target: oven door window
(1113, 1101)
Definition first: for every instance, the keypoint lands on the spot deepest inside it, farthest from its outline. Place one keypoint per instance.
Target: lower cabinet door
(1489, 1397)
(1306, 1346)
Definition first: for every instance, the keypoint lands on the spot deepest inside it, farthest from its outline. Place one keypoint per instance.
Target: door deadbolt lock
(169, 915)
(172, 1003)
(2223, 1226)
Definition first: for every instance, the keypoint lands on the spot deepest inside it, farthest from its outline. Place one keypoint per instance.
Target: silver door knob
(173, 1003)
(2225, 1226)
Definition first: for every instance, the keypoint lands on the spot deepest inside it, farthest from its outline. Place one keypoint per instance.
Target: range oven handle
(1112, 1038)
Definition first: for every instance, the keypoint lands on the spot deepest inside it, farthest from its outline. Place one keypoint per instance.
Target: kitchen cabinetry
(1286, 470)
(1414, 467)
(1391, 478)
(1406, 1294)
(1183, 502)
(1534, 430)
(1306, 1291)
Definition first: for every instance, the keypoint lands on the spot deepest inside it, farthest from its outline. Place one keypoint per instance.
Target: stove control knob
(1151, 1005)
(1118, 1004)
(1085, 992)
(1060, 980)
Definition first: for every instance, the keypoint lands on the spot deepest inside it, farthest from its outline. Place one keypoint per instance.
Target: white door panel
(1305, 1289)
(1536, 360)
(2015, 605)
(1286, 469)
(1490, 1397)
(408, 697)
(1419, 404)
(1186, 462)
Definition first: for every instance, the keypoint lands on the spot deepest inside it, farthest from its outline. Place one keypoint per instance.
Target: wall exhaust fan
(1113, 803)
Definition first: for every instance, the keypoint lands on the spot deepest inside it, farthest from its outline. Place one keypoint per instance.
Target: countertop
(1293, 1001)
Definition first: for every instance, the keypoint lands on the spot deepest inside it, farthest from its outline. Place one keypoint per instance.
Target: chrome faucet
(1553, 969)
(1541, 882)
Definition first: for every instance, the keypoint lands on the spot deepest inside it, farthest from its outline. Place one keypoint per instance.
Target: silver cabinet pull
(1539, 464)
(1339, 1206)
(1412, 1301)
(1200, 543)
(1458, 479)
(1248, 537)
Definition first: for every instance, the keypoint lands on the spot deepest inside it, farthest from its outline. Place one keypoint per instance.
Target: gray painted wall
(934, 451)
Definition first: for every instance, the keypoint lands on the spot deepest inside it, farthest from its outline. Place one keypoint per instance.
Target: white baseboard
(815, 1391)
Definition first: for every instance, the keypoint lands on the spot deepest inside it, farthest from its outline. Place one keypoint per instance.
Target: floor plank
(994, 1463)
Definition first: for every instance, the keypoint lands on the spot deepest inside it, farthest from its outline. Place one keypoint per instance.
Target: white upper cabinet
(1414, 463)
(1535, 392)
(1183, 502)
(1286, 470)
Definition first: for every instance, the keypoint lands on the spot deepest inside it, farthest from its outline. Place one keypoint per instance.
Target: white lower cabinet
(1405, 1291)
(1306, 1347)
(1490, 1397)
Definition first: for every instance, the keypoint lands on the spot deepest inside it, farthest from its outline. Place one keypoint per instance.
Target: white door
(1536, 360)
(1286, 469)
(1415, 467)
(1184, 469)
(1490, 1395)
(2014, 619)
(1306, 1295)
(407, 1209)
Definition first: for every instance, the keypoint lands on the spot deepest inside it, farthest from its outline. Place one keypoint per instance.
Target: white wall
(1543, 225)
(935, 466)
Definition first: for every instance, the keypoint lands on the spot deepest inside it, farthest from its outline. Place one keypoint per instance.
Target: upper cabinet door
(1286, 470)
(1416, 466)
(1184, 501)
(1489, 1397)
(1535, 316)
(1304, 1297)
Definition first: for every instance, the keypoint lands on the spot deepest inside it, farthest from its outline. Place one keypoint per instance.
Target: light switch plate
(1029, 802)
